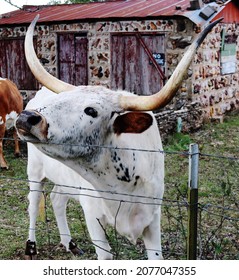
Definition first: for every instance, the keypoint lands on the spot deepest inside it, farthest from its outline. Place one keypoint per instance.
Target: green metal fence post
(192, 202)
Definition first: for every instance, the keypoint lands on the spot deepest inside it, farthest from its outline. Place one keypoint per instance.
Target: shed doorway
(13, 64)
(138, 62)
(72, 58)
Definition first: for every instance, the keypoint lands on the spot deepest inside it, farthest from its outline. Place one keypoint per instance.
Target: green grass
(218, 229)
(218, 186)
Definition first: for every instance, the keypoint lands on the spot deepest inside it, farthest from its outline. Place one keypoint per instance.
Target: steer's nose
(27, 119)
(31, 125)
(34, 119)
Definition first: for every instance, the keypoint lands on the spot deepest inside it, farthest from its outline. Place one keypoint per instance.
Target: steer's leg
(97, 233)
(16, 141)
(59, 202)
(3, 163)
(152, 238)
(34, 198)
(35, 177)
(96, 225)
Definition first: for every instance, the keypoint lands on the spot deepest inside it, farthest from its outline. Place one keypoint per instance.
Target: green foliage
(178, 142)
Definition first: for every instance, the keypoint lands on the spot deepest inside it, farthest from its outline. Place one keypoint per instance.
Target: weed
(178, 142)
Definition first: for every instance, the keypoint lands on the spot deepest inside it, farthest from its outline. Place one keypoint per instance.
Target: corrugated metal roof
(114, 9)
(97, 10)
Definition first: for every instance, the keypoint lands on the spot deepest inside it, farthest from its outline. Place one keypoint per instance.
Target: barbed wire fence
(204, 225)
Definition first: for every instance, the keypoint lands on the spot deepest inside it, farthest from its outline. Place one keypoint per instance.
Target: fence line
(169, 152)
(183, 203)
(203, 208)
(163, 202)
(166, 203)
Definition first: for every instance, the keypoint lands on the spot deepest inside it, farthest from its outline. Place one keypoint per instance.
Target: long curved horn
(37, 69)
(165, 95)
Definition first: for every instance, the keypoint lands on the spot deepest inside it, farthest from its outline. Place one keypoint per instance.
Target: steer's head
(86, 115)
(76, 123)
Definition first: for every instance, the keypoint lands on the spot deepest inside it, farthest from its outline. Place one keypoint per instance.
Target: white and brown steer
(11, 105)
(102, 135)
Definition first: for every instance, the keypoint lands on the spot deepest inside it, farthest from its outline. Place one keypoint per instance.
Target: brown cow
(11, 104)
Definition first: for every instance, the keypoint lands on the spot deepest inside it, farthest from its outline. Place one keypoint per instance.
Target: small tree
(55, 2)
(14, 5)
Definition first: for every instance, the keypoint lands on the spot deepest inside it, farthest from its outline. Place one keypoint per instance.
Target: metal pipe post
(192, 202)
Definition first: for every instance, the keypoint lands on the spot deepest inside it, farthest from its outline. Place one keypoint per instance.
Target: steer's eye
(91, 112)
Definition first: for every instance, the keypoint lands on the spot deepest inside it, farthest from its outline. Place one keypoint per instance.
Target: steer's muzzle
(32, 126)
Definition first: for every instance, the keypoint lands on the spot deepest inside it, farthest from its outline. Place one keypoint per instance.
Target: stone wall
(214, 94)
(178, 35)
(98, 35)
(217, 93)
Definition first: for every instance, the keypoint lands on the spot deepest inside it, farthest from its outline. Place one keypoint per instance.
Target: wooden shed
(133, 45)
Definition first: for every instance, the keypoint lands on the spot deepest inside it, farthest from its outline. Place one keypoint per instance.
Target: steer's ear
(132, 122)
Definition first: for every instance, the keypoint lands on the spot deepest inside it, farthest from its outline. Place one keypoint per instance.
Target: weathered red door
(13, 64)
(131, 66)
(73, 58)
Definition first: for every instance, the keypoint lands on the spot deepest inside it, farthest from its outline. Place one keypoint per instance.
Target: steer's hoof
(30, 257)
(4, 167)
(74, 249)
(17, 155)
(31, 250)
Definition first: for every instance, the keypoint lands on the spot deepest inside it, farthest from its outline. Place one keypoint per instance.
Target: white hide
(10, 119)
(132, 180)
(68, 184)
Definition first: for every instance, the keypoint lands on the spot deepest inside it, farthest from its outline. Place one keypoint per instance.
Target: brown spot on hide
(132, 122)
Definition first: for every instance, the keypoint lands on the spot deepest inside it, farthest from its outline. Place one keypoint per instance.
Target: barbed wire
(170, 152)
(218, 156)
(161, 202)
(156, 201)
(80, 188)
(223, 208)
(228, 213)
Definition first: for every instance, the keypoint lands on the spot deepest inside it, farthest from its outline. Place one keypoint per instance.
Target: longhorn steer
(11, 104)
(76, 127)
(68, 184)
(113, 203)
